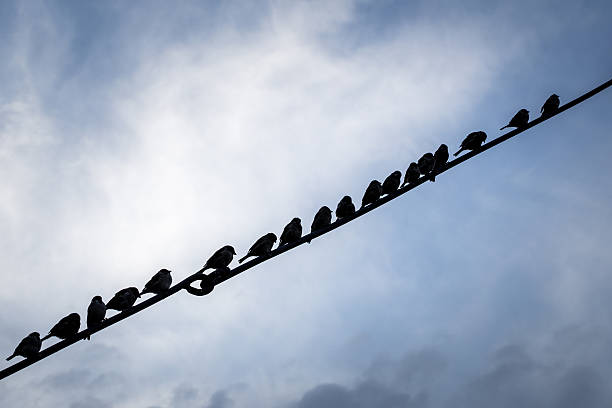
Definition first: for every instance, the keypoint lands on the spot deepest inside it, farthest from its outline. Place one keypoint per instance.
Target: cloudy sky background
(147, 135)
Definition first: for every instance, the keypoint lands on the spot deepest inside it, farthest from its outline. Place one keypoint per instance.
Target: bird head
(296, 221)
(164, 271)
(34, 334)
(397, 174)
(374, 183)
(413, 166)
(346, 200)
(554, 96)
(230, 249)
(443, 147)
(271, 236)
(524, 111)
(325, 210)
(482, 135)
(97, 299)
(134, 291)
(75, 317)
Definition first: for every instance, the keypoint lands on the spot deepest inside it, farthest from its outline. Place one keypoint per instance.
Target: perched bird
(28, 347)
(221, 258)
(321, 219)
(66, 327)
(412, 174)
(392, 182)
(345, 207)
(124, 299)
(261, 247)
(426, 163)
(291, 233)
(96, 312)
(159, 283)
(472, 141)
(440, 160)
(519, 120)
(372, 193)
(551, 105)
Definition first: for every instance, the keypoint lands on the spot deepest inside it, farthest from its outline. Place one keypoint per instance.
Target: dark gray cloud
(188, 396)
(365, 394)
(385, 384)
(220, 399)
(184, 396)
(562, 373)
(518, 379)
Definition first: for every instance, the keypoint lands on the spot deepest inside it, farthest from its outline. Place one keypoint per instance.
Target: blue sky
(147, 135)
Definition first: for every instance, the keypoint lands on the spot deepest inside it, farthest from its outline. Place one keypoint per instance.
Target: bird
(96, 312)
(291, 233)
(472, 141)
(392, 182)
(426, 163)
(221, 258)
(345, 207)
(412, 174)
(66, 327)
(519, 120)
(159, 283)
(28, 347)
(372, 193)
(321, 219)
(440, 159)
(261, 247)
(551, 105)
(124, 299)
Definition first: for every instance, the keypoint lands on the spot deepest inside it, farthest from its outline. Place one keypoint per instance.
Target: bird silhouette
(124, 299)
(472, 141)
(221, 258)
(412, 174)
(551, 105)
(372, 193)
(261, 247)
(66, 327)
(519, 120)
(392, 182)
(321, 219)
(96, 312)
(426, 163)
(28, 347)
(345, 207)
(440, 160)
(159, 283)
(291, 233)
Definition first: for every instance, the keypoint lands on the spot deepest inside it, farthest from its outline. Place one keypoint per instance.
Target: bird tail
(504, 127)
(11, 357)
(433, 177)
(241, 260)
(48, 336)
(88, 337)
(457, 154)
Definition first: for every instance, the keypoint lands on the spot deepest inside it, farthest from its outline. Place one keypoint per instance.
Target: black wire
(207, 282)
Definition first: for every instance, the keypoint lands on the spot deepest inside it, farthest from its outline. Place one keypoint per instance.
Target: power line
(208, 282)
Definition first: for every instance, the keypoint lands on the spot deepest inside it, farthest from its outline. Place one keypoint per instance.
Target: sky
(142, 135)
